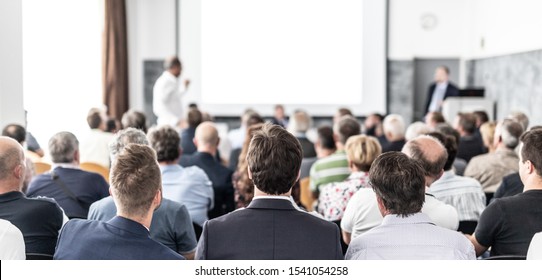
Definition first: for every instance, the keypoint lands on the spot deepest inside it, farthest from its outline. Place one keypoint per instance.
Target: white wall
(11, 65)
(151, 35)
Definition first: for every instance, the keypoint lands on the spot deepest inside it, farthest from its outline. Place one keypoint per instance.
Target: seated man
(94, 147)
(470, 145)
(508, 224)
(39, 219)
(405, 232)
(207, 140)
(394, 131)
(136, 190)
(189, 186)
(72, 188)
(271, 227)
(11, 242)
(171, 224)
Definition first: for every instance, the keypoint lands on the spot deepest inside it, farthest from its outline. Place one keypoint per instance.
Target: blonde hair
(362, 150)
(487, 130)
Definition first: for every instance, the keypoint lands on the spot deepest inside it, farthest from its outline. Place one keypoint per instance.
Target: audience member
(112, 125)
(33, 145)
(416, 129)
(274, 158)
(469, 144)
(194, 118)
(279, 117)
(299, 124)
(94, 146)
(489, 169)
(18, 133)
(487, 132)
(459, 164)
(189, 186)
(508, 224)
(235, 155)
(521, 118)
(535, 248)
(136, 190)
(237, 136)
(72, 188)
(372, 126)
(39, 219)
(171, 224)
(324, 146)
(334, 168)
(394, 129)
(206, 140)
(135, 119)
(432, 119)
(405, 232)
(510, 186)
(463, 193)
(11, 242)
(481, 118)
(167, 93)
(341, 112)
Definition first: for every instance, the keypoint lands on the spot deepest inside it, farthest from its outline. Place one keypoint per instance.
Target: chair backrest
(96, 168)
(38, 256)
(467, 227)
(41, 167)
(34, 157)
(507, 257)
(306, 195)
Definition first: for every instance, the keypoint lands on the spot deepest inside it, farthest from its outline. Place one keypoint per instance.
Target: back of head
(194, 117)
(135, 179)
(325, 138)
(11, 156)
(416, 129)
(435, 118)
(15, 131)
(509, 132)
(247, 114)
(450, 144)
(341, 112)
(481, 117)
(274, 159)
(62, 147)
(95, 117)
(448, 130)
(395, 125)
(124, 137)
(362, 150)
(487, 131)
(467, 122)
(399, 182)
(165, 140)
(207, 134)
(531, 148)
(135, 119)
(346, 126)
(520, 118)
(429, 152)
(299, 122)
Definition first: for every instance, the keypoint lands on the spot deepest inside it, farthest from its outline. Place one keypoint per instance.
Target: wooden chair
(306, 195)
(41, 167)
(96, 168)
(33, 156)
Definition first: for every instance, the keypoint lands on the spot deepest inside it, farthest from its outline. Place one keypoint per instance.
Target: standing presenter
(167, 93)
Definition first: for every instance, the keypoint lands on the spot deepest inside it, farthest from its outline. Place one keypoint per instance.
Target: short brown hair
(94, 118)
(532, 148)
(194, 117)
(274, 159)
(467, 121)
(135, 179)
(399, 182)
(166, 142)
(362, 150)
(346, 126)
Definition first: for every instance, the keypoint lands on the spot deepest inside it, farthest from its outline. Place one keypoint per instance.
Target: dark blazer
(451, 90)
(116, 239)
(221, 178)
(510, 186)
(307, 146)
(269, 229)
(88, 187)
(187, 140)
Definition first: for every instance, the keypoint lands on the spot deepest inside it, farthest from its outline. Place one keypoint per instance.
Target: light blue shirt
(438, 97)
(191, 187)
(410, 238)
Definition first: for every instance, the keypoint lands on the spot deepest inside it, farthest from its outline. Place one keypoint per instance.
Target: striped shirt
(463, 193)
(333, 168)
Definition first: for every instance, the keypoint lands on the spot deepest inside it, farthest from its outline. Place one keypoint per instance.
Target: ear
(249, 173)
(381, 206)
(530, 167)
(195, 141)
(76, 156)
(157, 200)
(19, 171)
(350, 164)
(110, 191)
(217, 141)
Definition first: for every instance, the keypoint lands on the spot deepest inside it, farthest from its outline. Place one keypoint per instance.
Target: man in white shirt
(11, 242)
(405, 232)
(167, 93)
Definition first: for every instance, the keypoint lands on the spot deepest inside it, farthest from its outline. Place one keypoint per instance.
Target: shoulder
(196, 172)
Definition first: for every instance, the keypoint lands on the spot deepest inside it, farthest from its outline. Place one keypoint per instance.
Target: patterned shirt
(333, 168)
(335, 196)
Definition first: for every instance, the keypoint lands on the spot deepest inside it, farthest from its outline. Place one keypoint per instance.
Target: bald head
(12, 165)
(430, 153)
(206, 138)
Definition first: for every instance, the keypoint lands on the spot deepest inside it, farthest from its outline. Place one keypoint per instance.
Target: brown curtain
(115, 59)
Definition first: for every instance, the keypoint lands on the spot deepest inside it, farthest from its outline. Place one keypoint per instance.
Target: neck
(258, 192)
(340, 146)
(143, 220)
(207, 149)
(16, 187)
(170, 162)
(325, 152)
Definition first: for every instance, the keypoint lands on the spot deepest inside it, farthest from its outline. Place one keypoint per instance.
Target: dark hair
(325, 137)
(194, 117)
(254, 119)
(399, 182)
(450, 144)
(94, 118)
(166, 142)
(437, 117)
(111, 125)
(15, 131)
(467, 121)
(532, 148)
(347, 126)
(481, 116)
(344, 112)
(447, 130)
(274, 159)
(135, 119)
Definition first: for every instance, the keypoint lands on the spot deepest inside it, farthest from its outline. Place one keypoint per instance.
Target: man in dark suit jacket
(441, 89)
(206, 140)
(271, 227)
(72, 188)
(137, 191)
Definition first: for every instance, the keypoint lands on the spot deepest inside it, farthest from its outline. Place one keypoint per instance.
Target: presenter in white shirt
(167, 93)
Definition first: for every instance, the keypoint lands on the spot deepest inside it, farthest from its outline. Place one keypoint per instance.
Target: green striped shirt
(333, 168)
